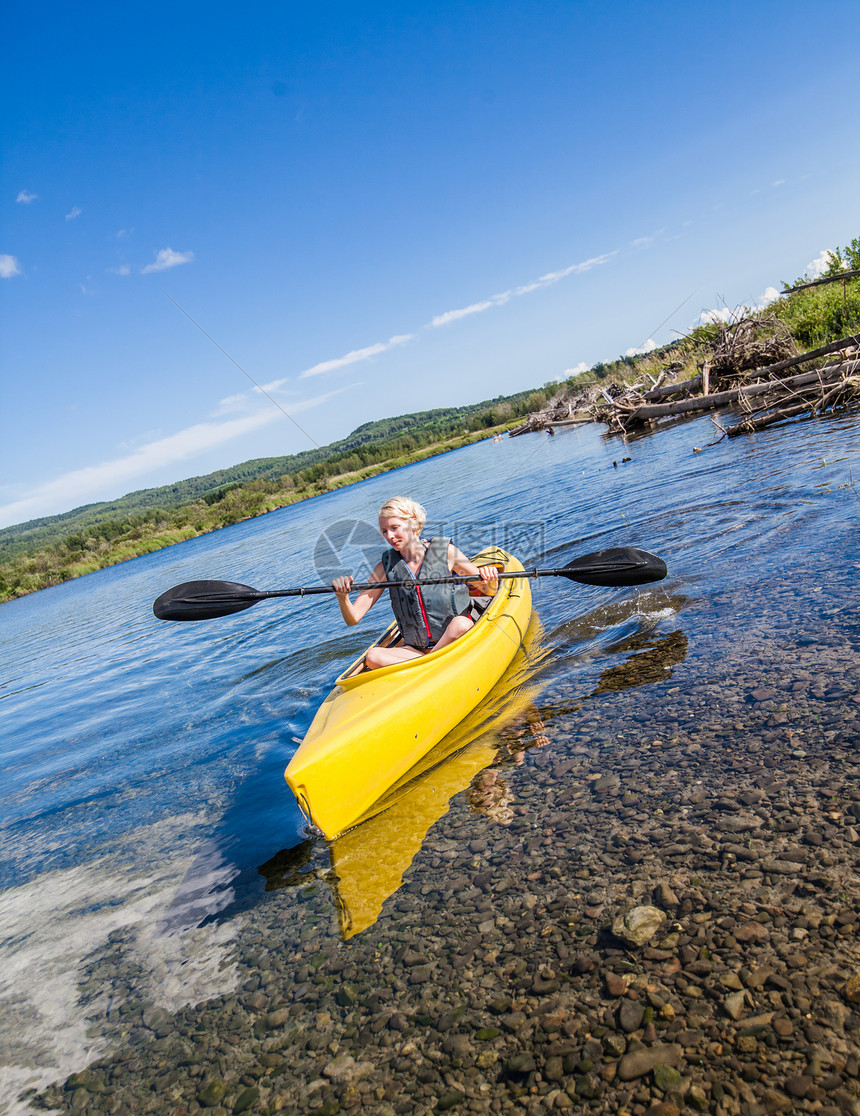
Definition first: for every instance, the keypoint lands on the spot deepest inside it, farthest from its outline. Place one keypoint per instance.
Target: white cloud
(816, 268)
(646, 347)
(123, 269)
(9, 266)
(25, 197)
(723, 314)
(646, 241)
(771, 294)
(726, 315)
(574, 269)
(465, 311)
(349, 358)
(75, 212)
(232, 403)
(82, 486)
(500, 299)
(166, 258)
(577, 369)
(449, 316)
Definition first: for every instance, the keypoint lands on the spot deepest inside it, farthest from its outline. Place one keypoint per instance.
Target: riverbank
(736, 362)
(56, 564)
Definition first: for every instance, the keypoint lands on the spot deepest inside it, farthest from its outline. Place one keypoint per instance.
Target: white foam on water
(651, 619)
(50, 929)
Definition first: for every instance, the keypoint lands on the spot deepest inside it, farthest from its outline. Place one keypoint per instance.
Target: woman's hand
(488, 573)
(342, 585)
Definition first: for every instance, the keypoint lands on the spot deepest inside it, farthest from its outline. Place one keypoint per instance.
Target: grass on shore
(143, 534)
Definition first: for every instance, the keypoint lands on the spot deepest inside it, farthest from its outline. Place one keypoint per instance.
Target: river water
(143, 761)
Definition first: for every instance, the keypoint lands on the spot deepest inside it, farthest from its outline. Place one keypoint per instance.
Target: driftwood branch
(667, 392)
(847, 388)
(847, 343)
(821, 282)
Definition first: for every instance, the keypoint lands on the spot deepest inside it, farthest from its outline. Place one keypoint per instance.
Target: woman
(430, 617)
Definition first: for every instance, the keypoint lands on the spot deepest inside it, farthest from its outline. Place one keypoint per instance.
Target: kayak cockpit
(479, 601)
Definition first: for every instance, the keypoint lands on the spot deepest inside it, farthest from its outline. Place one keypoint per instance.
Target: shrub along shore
(47, 552)
(808, 316)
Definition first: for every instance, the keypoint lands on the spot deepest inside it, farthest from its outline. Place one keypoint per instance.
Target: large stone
(246, 1099)
(851, 989)
(344, 1068)
(615, 985)
(798, 1086)
(340, 1069)
(156, 1018)
(630, 1015)
(663, 1108)
(520, 1064)
(212, 1094)
(666, 1078)
(639, 1062)
(734, 1004)
(639, 925)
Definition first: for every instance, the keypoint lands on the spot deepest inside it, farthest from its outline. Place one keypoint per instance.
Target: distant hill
(420, 426)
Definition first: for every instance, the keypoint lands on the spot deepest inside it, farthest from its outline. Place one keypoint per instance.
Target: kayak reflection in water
(430, 617)
(489, 793)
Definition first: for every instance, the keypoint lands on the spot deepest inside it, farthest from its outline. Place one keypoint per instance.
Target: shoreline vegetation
(796, 358)
(44, 552)
(730, 356)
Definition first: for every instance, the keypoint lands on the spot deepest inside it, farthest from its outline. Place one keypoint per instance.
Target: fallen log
(570, 422)
(750, 425)
(845, 387)
(813, 354)
(821, 282)
(673, 389)
(721, 398)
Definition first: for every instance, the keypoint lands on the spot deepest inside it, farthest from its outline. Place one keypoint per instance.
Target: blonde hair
(404, 508)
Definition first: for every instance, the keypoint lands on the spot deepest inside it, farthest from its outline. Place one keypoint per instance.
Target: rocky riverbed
(650, 905)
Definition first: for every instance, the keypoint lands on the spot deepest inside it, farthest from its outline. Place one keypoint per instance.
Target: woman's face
(396, 531)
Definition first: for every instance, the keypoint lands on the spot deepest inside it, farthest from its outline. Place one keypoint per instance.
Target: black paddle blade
(621, 566)
(204, 600)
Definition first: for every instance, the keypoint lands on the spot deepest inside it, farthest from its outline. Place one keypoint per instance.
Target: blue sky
(379, 208)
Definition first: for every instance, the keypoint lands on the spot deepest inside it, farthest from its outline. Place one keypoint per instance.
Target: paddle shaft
(360, 586)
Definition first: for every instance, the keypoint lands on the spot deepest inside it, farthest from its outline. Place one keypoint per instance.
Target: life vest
(441, 603)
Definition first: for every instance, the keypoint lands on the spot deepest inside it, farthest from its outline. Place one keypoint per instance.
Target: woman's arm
(458, 563)
(352, 611)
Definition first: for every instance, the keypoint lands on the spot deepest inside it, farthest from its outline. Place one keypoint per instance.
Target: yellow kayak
(376, 726)
(368, 862)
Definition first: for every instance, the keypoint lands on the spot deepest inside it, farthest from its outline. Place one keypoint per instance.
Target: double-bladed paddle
(204, 600)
